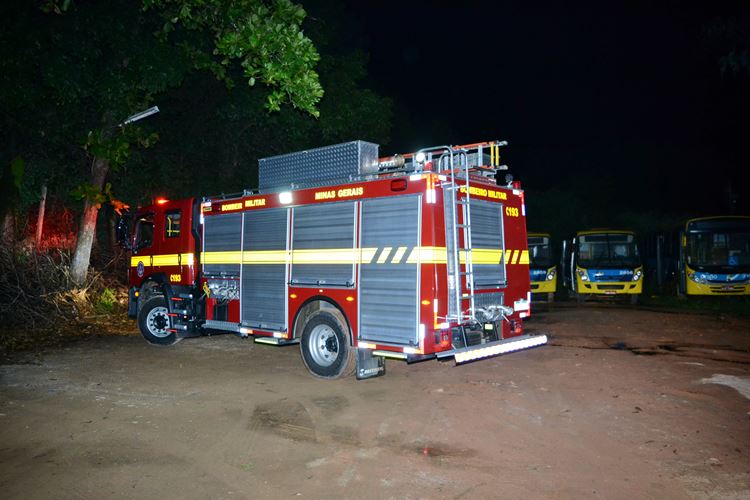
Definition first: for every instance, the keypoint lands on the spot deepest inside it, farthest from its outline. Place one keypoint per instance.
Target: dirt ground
(622, 403)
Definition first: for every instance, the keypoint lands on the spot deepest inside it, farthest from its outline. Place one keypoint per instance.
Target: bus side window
(172, 225)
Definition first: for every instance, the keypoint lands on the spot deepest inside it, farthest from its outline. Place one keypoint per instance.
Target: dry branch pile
(39, 302)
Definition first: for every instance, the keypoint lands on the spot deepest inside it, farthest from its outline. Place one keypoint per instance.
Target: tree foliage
(73, 71)
(264, 37)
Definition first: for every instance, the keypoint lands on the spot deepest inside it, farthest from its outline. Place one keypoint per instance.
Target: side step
(275, 341)
(471, 353)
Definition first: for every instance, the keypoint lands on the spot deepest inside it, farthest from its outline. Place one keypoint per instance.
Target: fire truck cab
(355, 258)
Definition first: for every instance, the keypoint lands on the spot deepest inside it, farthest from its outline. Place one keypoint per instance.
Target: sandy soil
(622, 404)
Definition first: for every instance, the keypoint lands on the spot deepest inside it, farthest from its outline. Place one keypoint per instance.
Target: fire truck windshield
(540, 252)
(609, 250)
(721, 249)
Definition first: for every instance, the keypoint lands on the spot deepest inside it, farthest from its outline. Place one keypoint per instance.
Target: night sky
(623, 103)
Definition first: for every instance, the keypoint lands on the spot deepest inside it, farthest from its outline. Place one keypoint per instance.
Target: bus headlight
(551, 275)
(698, 278)
(637, 275)
(582, 274)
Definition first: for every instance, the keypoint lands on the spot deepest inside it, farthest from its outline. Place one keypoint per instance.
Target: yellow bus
(603, 262)
(542, 266)
(714, 256)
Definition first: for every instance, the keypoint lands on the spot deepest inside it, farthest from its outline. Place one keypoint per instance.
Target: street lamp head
(141, 115)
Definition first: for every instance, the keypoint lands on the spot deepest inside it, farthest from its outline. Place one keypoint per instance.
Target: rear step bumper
(471, 353)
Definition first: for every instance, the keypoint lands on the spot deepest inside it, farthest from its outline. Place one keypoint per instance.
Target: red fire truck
(354, 257)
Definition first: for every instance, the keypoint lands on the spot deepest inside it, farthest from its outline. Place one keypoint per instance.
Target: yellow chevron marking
(398, 255)
(384, 255)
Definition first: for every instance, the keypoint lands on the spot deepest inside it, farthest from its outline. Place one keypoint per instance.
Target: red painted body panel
(433, 284)
(180, 245)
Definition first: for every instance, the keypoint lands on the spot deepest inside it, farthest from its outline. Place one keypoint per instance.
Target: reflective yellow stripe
(264, 257)
(166, 260)
(484, 256)
(427, 255)
(186, 259)
(409, 255)
(222, 257)
(524, 257)
(367, 254)
(327, 256)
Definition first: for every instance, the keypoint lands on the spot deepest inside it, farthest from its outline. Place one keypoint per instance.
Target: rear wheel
(326, 349)
(153, 320)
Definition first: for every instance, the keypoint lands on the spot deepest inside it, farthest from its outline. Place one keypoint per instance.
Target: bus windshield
(719, 249)
(610, 250)
(540, 252)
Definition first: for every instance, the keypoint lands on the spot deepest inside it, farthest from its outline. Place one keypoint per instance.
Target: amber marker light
(350, 299)
(293, 296)
(161, 201)
(425, 302)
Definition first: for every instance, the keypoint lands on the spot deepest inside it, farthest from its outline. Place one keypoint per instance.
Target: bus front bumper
(694, 288)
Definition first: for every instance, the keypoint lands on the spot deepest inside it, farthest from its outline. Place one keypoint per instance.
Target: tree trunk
(9, 229)
(40, 217)
(79, 266)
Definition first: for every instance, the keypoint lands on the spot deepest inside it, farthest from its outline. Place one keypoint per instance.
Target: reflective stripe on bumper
(471, 353)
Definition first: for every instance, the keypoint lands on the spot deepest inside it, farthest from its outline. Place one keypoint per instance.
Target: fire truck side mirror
(122, 231)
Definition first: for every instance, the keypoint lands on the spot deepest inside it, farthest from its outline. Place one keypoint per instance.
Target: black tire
(326, 348)
(154, 322)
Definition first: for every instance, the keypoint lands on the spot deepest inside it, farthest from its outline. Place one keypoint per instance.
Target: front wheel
(326, 349)
(153, 320)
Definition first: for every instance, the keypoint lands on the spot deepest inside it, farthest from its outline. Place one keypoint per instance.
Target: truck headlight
(637, 275)
(582, 274)
(551, 275)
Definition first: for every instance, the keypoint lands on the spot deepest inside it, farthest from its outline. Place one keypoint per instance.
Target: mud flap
(132, 303)
(369, 366)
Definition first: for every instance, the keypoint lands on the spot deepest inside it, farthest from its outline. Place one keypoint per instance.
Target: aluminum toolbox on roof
(316, 166)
